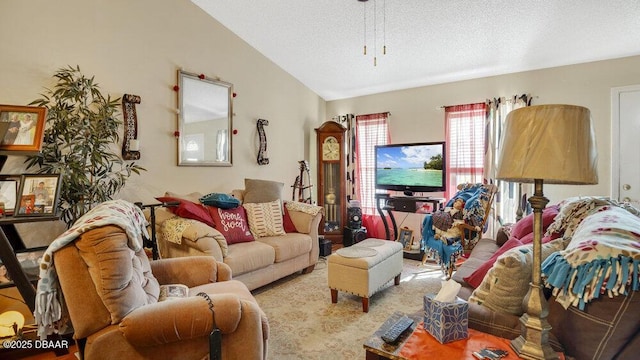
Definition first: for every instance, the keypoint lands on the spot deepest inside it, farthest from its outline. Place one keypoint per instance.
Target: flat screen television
(411, 168)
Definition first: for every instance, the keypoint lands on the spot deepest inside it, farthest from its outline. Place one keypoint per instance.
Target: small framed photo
(405, 237)
(22, 128)
(8, 193)
(38, 195)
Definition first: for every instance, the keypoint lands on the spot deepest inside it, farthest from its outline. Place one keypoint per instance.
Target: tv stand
(407, 204)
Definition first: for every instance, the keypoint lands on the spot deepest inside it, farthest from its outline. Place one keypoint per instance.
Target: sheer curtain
(510, 202)
(370, 130)
(465, 137)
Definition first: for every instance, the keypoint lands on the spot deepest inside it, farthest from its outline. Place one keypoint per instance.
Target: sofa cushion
(265, 219)
(232, 223)
(249, 256)
(484, 249)
(261, 191)
(188, 209)
(507, 282)
(288, 246)
(521, 234)
(601, 331)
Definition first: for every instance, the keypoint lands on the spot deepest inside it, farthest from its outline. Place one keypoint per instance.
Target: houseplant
(80, 136)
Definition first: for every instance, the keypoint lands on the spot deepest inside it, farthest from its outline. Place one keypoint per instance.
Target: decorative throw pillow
(265, 219)
(193, 197)
(521, 234)
(525, 226)
(507, 282)
(232, 223)
(219, 200)
(287, 223)
(188, 210)
(262, 191)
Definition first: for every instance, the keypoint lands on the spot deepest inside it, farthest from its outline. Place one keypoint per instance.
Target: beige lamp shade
(553, 143)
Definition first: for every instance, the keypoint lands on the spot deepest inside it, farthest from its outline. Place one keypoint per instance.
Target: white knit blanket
(50, 313)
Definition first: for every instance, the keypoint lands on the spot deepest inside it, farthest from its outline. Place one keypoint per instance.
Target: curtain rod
(488, 100)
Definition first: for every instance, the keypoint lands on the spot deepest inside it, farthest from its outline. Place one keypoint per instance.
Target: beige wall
(136, 47)
(416, 114)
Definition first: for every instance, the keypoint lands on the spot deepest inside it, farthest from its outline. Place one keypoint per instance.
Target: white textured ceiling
(320, 42)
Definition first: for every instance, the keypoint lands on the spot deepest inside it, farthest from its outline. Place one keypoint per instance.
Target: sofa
(113, 294)
(256, 256)
(593, 313)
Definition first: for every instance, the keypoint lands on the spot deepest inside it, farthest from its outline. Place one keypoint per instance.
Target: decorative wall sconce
(130, 144)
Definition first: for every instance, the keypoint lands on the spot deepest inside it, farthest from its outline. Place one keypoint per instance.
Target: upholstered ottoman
(362, 269)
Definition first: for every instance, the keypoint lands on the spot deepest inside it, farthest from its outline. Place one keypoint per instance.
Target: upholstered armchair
(111, 293)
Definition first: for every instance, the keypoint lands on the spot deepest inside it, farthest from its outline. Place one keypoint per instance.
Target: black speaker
(352, 236)
(354, 216)
(325, 247)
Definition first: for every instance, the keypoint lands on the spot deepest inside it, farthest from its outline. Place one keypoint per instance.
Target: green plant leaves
(82, 126)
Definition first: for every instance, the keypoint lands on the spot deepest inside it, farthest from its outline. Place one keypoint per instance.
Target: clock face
(330, 149)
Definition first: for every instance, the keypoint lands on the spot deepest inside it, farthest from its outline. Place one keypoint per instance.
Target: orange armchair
(111, 293)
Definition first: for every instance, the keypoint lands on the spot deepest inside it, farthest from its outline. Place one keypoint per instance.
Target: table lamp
(553, 144)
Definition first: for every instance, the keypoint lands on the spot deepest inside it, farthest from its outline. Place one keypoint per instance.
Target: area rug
(304, 324)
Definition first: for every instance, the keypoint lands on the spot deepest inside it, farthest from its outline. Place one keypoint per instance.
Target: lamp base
(533, 342)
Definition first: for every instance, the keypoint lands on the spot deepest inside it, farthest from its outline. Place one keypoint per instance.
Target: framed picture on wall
(22, 128)
(38, 195)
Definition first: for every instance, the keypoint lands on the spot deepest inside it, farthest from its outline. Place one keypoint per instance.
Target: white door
(625, 140)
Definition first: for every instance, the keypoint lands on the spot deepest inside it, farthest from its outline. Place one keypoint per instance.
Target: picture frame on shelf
(8, 193)
(29, 261)
(22, 128)
(405, 236)
(38, 195)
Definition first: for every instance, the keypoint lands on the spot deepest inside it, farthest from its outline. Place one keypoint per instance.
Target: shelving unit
(10, 244)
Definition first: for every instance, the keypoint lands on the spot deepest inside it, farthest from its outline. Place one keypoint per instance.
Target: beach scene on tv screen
(410, 165)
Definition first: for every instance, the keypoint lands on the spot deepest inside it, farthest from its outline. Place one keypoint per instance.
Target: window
(464, 127)
(371, 130)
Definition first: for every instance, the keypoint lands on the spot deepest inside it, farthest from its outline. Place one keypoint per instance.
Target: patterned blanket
(50, 314)
(602, 257)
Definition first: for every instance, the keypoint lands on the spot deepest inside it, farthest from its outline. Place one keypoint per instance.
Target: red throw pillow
(289, 227)
(232, 223)
(525, 226)
(475, 279)
(188, 210)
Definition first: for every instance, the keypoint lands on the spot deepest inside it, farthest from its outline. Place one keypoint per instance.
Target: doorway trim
(615, 137)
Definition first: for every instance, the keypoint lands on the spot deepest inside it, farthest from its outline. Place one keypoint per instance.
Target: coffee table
(419, 344)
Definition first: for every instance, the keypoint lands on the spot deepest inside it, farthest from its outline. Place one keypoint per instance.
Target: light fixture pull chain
(375, 32)
(364, 12)
(384, 27)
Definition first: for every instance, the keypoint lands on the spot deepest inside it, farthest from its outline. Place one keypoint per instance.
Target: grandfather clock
(331, 179)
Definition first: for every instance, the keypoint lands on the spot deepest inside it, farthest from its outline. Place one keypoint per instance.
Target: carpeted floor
(304, 324)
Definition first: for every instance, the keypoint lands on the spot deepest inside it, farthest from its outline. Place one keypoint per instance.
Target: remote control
(394, 332)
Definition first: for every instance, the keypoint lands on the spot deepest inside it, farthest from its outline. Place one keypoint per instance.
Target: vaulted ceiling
(320, 42)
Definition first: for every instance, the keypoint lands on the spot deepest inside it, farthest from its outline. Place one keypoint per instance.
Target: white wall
(416, 114)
